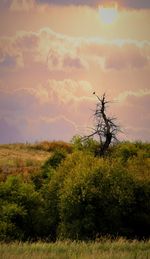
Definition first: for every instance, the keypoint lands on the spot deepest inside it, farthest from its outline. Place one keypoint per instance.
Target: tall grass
(104, 249)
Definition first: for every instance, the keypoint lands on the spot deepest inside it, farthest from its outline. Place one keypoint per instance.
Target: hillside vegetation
(56, 190)
(26, 158)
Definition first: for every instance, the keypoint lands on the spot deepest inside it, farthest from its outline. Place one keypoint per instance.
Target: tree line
(78, 195)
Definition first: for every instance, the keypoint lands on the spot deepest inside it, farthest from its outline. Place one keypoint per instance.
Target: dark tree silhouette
(105, 127)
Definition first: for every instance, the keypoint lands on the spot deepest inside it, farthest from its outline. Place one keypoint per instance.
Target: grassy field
(80, 250)
(21, 158)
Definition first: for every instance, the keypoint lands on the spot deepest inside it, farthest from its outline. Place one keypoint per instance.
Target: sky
(55, 54)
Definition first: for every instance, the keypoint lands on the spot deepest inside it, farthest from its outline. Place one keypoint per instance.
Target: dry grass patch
(20, 158)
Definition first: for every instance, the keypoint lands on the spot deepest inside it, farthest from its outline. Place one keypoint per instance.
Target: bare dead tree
(105, 127)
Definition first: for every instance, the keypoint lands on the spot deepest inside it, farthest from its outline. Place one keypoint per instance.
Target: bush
(52, 146)
(88, 145)
(94, 198)
(21, 208)
(127, 150)
(51, 164)
(12, 216)
(139, 218)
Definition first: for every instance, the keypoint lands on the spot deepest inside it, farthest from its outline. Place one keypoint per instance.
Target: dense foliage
(77, 195)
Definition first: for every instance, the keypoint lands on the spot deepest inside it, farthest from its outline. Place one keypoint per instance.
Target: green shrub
(21, 208)
(129, 150)
(139, 218)
(12, 216)
(88, 145)
(94, 197)
(52, 146)
(52, 163)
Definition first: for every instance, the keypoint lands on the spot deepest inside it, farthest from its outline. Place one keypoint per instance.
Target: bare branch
(105, 127)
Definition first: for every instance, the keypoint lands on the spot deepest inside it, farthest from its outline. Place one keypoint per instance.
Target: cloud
(67, 98)
(55, 96)
(10, 57)
(20, 101)
(5, 4)
(47, 80)
(69, 90)
(67, 53)
(61, 109)
(136, 134)
(60, 128)
(22, 5)
(125, 95)
(127, 56)
(68, 2)
(59, 106)
(9, 133)
(26, 40)
(59, 59)
(43, 54)
(8, 61)
(27, 5)
(136, 4)
(53, 50)
(117, 54)
(63, 53)
(132, 111)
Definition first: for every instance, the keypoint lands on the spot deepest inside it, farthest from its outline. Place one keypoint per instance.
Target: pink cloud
(61, 53)
(22, 5)
(134, 116)
(10, 57)
(58, 106)
(55, 112)
(28, 4)
(49, 80)
(45, 47)
(9, 133)
(59, 59)
(59, 128)
(27, 41)
(128, 56)
(117, 55)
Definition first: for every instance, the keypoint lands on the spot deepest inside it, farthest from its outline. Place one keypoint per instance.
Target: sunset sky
(54, 54)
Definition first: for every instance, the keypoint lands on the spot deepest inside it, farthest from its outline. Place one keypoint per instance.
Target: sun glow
(108, 14)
